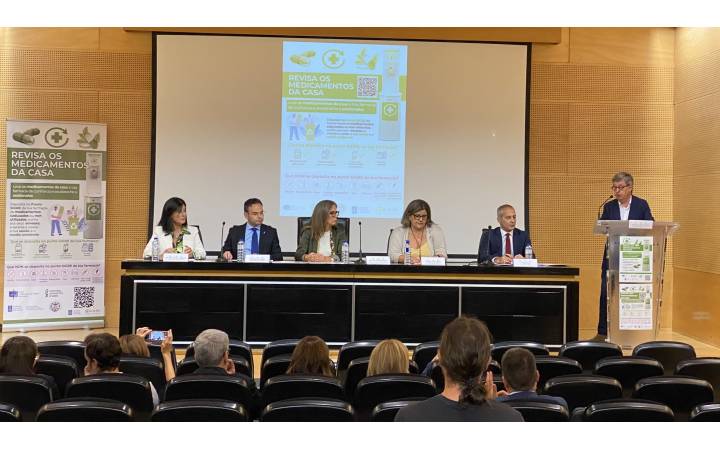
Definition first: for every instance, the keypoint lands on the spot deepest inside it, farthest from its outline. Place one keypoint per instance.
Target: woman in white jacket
(174, 234)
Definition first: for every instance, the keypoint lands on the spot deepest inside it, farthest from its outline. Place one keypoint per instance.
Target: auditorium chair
(709, 412)
(540, 411)
(156, 353)
(308, 410)
(236, 348)
(628, 410)
(386, 411)
(707, 369)
(205, 410)
(220, 387)
(495, 367)
(274, 366)
(131, 389)
(680, 393)
(62, 368)
(582, 390)
(343, 225)
(356, 371)
(275, 348)
(72, 349)
(438, 378)
(285, 387)
(628, 370)
(424, 353)
(354, 350)
(85, 410)
(9, 413)
(27, 392)
(149, 368)
(499, 348)
(587, 353)
(371, 391)
(189, 365)
(554, 366)
(669, 353)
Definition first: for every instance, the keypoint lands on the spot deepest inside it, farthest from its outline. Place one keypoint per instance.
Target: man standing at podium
(625, 207)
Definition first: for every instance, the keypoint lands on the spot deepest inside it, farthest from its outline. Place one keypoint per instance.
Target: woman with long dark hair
(18, 356)
(311, 357)
(322, 240)
(174, 234)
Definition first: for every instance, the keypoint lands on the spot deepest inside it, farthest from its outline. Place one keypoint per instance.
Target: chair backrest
(189, 365)
(156, 353)
(356, 371)
(27, 392)
(281, 347)
(9, 413)
(274, 366)
(555, 366)
(62, 368)
(680, 393)
(438, 378)
(626, 410)
(386, 411)
(72, 349)
(237, 348)
(499, 348)
(148, 368)
(628, 369)
(85, 410)
(354, 350)
(220, 387)
(495, 367)
(343, 224)
(204, 410)
(377, 389)
(308, 410)
(669, 353)
(424, 353)
(285, 387)
(582, 390)
(707, 369)
(587, 353)
(534, 411)
(131, 389)
(199, 233)
(706, 413)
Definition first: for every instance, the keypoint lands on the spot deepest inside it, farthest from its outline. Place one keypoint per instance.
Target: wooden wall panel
(623, 46)
(696, 311)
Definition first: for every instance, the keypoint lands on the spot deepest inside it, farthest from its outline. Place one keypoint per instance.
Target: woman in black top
(18, 357)
(469, 394)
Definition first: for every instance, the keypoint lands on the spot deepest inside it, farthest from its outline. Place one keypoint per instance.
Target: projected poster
(343, 128)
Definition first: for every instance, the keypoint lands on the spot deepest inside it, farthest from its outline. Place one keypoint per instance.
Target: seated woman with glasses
(322, 240)
(425, 236)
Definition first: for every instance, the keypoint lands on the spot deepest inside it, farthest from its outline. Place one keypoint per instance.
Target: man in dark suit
(625, 206)
(520, 377)
(259, 238)
(502, 244)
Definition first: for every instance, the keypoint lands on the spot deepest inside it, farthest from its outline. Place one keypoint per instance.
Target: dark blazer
(639, 210)
(309, 245)
(268, 240)
(496, 247)
(534, 397)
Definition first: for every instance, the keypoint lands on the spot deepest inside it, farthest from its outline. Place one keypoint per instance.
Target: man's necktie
(254, 244)
(508, 246)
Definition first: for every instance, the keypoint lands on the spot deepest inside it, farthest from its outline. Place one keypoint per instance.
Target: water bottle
(345, 252)
(155, 249)
(408, 258)
(240, 251)
(528, 252)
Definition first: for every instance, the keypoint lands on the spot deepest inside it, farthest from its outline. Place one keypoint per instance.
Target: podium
(635, 251)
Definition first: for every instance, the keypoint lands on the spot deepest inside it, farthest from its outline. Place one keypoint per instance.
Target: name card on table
(640, 224)
(525, 262)
(176, 257)
(432, 261)
(257, 258)
(377, 260)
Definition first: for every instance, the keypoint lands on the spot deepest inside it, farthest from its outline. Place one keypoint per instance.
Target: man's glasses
(620, 188)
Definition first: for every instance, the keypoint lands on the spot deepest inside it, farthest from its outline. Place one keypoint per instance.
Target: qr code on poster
(367, 86)
(84, 297)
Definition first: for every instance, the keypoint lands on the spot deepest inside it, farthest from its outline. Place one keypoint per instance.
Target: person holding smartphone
(135, 345)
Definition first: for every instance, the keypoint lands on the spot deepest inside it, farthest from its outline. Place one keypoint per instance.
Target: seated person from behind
(389, 357)
(425, 236)
(311, 357)
(469, 393)
(259, 238)
(135, 345)
(520, 377)
(322, 240)
(102, 353)
(501, 245)
(174, 234)
(18, 356)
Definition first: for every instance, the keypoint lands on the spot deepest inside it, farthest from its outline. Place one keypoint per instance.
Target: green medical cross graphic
(56, 137)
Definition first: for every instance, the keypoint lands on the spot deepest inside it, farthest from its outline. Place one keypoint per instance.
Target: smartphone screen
(157, 335)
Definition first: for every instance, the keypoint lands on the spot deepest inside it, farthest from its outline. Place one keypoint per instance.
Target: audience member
(464, 356)
(311, 357)
(390, 356)
(18, 356)
(520, 376)
(135, 345)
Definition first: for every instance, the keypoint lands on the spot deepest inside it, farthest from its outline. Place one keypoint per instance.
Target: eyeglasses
(420, 216)
(620, 188)
(334, 213)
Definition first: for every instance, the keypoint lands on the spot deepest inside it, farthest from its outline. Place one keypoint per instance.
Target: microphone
(601, 206)
(220, 257)
(361, 259)
(486, 236)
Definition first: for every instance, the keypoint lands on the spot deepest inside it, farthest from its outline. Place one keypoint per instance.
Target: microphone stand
(361, 259)
(220, 257)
